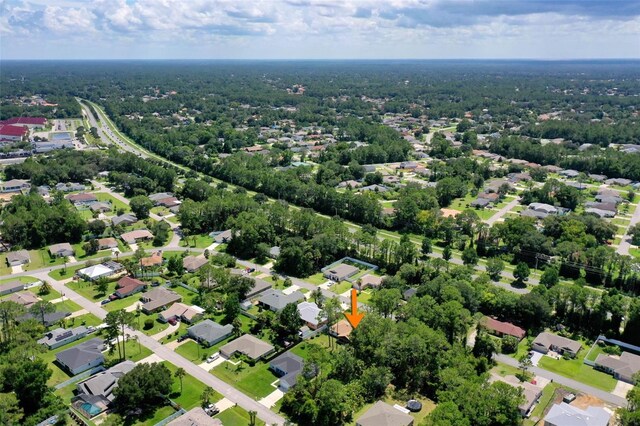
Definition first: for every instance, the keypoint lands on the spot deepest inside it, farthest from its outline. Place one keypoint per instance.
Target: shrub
(148, 324)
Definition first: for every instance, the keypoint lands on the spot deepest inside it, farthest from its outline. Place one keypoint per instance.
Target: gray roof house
(340, 272)
(546, 342)
(247, 345)
(19, 257)
(623, 367)
(11, 287)
(223, 237)
(96, 393)
(195, 417)
(209, 333)
(258, 287)
(567, 415)
(310, 313)
(124, 219)
(49, 319)
(276, 300)
(193, 263)
(61, 250)
(82, 357)
(383, 414)
(159, 298)
(60, 336)
(287, 366)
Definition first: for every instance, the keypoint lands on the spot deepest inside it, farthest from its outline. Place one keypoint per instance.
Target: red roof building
(500, 328)
(127, 286)
(8, 131)
(26, 121)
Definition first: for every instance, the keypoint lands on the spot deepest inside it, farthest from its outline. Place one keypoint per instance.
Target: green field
(191, 390)
(198, 241)
(236, 416)
(52, 295)
(117, 204)
(254, 381)
(62, 274)
(575, 369)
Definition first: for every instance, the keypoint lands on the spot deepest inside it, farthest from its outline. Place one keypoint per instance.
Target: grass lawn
(82, 255)
(135, 352)
(182, 329)
(461, 204)
(191, 390)
(68, 306)
(547, 396)
(187, 295)
(117, 204)
(196, 353)
(236, 416)
(62, 274)
(341, 287)
(201, 241)
(503, 370)
(635, 252)
(157, 325)
(316, 279)
(118, 304)
(365, 296)
(594, 352)
(302, 349)
(575, 369)
(53, 294)
(41, 259)
(86, 319)
(89, 290)
(26, 280)
(254, 381)
(523, 347)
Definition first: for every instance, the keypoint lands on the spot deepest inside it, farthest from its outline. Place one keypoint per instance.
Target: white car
(213, 357)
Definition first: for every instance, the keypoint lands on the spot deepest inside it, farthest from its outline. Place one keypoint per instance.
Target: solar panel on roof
(64, 335)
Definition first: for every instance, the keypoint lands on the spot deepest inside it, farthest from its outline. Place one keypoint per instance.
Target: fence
(81, 376)
(171, 417)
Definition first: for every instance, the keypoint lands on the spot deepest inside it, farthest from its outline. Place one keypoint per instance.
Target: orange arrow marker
(354, 317)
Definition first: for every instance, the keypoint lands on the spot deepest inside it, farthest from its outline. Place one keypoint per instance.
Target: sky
(319, 29)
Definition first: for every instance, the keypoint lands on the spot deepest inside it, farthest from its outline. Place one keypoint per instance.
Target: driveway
(622, 388)
(271, 399)
(536, 357)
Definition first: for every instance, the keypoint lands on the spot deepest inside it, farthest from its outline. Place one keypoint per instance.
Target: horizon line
(323, 59)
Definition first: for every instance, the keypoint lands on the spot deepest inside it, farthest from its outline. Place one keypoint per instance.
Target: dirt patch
(584, 401)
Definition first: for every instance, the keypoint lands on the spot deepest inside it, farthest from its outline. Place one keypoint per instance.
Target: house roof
(128, 285)
(12, 286)
(342, 270)
(547, 339)
(383, 414)
(626, 365)
(81, 354)
(61, 247)
(159, 297)
(54, 336)
(37, 121)
(192, 263)
(181, 310)
(258, 287)
(124, 218)
(249, 345)
(291, 365)
(104, 383)
(82, 197)
(208, 330)
(49, 319)
(309, 312)
(25, 298)
(107, 242)
(96, 271)
(9, 130)
(278, 300)
(154, 260)
(131, 237)
(503, 327)
(195, 417)
(567, 415)
(342, 329)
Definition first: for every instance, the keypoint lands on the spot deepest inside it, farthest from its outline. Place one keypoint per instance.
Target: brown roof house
(500, 328)
(383, 414)
(368, 281)
(25, 298)
(195, 417)
(107, 243)
(154, 260)
(248, 345)
(127, 286)
(531, 392)
(82, 198)
(193, 263)
(546, 342)
(137, 235)
(622, 368)
(16, 258)
(159, 298)
(340, 272)
(185, 313)
(341, 330)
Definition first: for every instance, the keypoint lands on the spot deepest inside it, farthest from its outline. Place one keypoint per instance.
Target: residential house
(95, 395)
(248, 345)
(60, 336)
(82, 199)
(602, 206)
(600, 212)
(564, 414)
(619, 181)
(82, 357)
(349, 184)
(408, 165)
(259, 286)
(95, 272)
(160, 196)
(14, 185)
(195, 417)
(530, 392)
(69, 187)
(47, 320)
(138, 235)
(61, 250)
(500, 328)
(124, 219)
(209, 333)
(193, 263)
(622, 368)
(311, 314)
(25, 298)
(480, 203)
(159, 298)
(570, 173)
(107, 243)
(182, 312)
(383, 414)
(368, 281)
(539, 210)
(288, 367)
(341, 330)
(11, 287)
(546, 342)
(154, 260)
(340, 272)
(100, 207)
(276, 300)
(374, 188)
(223, 237)
(127, 286)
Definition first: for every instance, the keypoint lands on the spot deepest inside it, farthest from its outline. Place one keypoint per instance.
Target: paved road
(625, 244)
(167, 354)
(605, 396)
(493, 219)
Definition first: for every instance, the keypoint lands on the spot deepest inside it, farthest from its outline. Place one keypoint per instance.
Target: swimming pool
(60, 136)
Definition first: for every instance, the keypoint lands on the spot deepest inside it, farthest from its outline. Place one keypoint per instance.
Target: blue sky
(319, 29)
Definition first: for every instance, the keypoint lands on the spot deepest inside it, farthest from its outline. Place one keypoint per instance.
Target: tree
(45, 288)
(374, 381)
(385, 301)
(237, 327)
(446, 414)
(484, 346)
(469, 256)
(521, 272)
(140, 205)
(550, 276)
(207, 393)
(509, 344)
(524, 363)
(40, 309)
(318, 297)
(495, 267)
(180, 373)
(332, 311)
(96, 227)
(252, 418)
(28, 381)
(117, 322)
(426, 247)
(102, 285)
(634, 232)
(288, 323)
(10, 411)
(144, 387)
(231, 308)
(9, 312)
(446, 253)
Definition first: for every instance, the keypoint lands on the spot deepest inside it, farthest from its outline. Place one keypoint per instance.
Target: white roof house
(311, 314)
(94, 272)
(567, 415)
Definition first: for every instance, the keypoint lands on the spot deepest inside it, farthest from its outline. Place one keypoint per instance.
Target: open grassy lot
(82, 255)
(191, 390)
(254, 381)
(86, 320)
(196, 352)
(341, 287)
(89, 290)
(26, 280)
(39, 259)
(503, 370)
(575, 369)
(198, 241)
(236, 416)
(118, 304)
(545, 399)
(134, 351)
(187, 295)
(461, 204)
(316, 279)
(63, 274)
(117, 204)
(302, 349)
(68, 306)
(52, 295)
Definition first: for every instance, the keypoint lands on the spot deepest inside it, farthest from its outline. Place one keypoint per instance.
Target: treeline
(67, 108)
(608, 162)
(585, 131)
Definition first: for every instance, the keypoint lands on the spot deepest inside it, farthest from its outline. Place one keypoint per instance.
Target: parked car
(211, 409)
(113, 297)
(105, 301)
(172, 321)
(213, 357)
